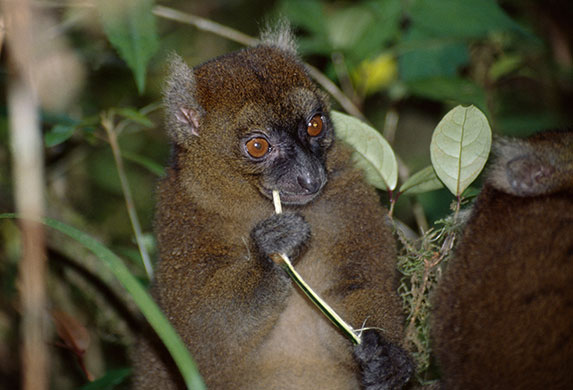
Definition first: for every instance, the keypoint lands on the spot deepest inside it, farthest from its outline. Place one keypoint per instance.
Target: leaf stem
(107, 123)
(393, 199)
(458, 207)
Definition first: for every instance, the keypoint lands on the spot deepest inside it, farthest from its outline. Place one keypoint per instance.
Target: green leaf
(422, 181)
(346, 26)
(378, 34)
(308, 14)
(130, 27)
(148, 307)
(109, 381)
(58, 134)
(504, 66)
(444, 88)
(373, 154)
(460, 146)
(471, 192)
(461, 18)
(431, 57)
(314, 45)
(526, 120)
(134, 115)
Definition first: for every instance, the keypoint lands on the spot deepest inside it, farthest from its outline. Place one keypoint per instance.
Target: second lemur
(503, 311)
(243, 125)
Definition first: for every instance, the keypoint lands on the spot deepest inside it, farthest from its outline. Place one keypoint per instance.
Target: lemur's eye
(257, 147)
(314, 126)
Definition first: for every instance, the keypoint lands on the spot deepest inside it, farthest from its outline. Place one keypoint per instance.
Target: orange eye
(314, 127)
(257, 147)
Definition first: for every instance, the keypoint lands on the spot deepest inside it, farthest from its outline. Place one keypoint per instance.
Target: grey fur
(279, 34)
(520, 169)
(183, 113)
(281, 233)
(384, 366)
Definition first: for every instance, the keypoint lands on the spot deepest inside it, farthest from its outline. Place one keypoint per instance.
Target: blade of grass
(107, 123)
(148, 307)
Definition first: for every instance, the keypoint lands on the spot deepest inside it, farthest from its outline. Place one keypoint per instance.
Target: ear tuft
(183, 113)
(279, 34)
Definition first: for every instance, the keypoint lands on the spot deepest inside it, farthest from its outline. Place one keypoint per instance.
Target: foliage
(460, 147)
(422, 181)
(373, 153)
(109, 380)
(130, 28)
(138, 293)
(421, 261)
(403, 64)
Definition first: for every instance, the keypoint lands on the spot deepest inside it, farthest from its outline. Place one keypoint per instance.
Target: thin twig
(343, 77)
(429, 267)
(204, 25)
(420, 217)
(237, 36)
(336, 93)
(108, 125)
(420, 296)
(391, 125)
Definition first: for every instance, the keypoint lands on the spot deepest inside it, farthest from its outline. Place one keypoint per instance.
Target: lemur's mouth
(293, 198)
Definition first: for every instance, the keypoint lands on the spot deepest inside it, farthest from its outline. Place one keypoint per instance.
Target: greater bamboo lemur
(503, 312)
(243, 125)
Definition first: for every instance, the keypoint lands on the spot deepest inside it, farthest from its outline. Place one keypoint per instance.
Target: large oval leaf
(373, 153)
(460, 147)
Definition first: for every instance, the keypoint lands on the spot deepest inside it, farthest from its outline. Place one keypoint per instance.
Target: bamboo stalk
(283, 260)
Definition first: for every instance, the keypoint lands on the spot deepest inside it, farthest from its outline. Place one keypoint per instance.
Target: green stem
(107, 123)
(283, 260)
(328, 311)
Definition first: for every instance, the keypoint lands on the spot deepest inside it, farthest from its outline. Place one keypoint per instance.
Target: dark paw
(383, 365)
(282, 233)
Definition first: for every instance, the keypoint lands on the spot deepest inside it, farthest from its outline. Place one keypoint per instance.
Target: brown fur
(246, 329)
(503, 316)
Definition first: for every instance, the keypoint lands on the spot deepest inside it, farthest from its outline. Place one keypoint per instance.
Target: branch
(205, 25)
(28, 173)
(237, 36)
